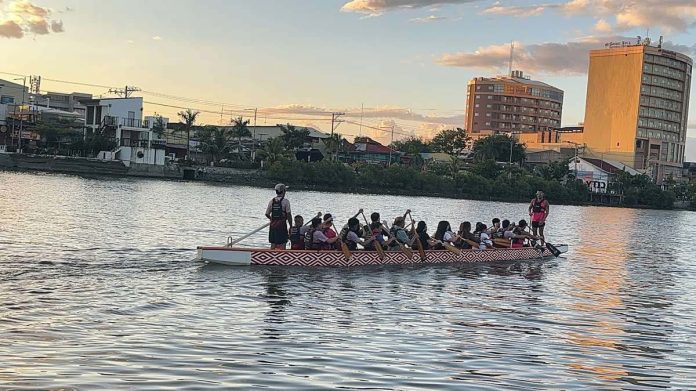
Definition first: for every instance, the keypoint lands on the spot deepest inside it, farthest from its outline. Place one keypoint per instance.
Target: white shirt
(485, 241)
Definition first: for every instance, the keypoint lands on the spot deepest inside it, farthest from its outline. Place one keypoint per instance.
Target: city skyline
(407, 62)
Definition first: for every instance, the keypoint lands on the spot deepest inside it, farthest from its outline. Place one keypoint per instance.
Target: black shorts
(538, 224)
(278, 235)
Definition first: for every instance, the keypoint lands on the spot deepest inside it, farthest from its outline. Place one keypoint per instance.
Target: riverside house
(122, 120)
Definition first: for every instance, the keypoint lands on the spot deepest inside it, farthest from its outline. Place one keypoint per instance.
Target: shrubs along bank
(513, 185)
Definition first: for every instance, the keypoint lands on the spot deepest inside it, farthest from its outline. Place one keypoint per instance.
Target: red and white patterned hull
(246, 256)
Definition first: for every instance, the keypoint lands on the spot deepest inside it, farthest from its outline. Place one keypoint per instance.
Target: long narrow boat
(237, 256)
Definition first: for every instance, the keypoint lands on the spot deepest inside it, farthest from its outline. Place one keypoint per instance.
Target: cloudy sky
(406, 62)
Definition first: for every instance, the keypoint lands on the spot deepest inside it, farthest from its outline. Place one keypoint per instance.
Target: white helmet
(280, 188)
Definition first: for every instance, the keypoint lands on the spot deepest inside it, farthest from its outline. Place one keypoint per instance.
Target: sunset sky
(406, 61)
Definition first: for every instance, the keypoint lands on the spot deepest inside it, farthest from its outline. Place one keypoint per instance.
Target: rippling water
(98, 291)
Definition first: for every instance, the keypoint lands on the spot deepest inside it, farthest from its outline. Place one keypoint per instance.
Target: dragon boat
(239, 256)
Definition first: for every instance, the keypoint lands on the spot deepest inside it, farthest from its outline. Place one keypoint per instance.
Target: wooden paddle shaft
(249, 234)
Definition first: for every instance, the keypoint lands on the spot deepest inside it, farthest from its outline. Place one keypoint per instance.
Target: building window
(476, 114)
(490, 96)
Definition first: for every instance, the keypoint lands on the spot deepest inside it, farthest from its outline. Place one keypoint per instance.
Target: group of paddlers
(320, 232)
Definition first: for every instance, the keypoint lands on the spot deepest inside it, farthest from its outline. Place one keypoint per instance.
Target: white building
(122, 119)
(598, 174)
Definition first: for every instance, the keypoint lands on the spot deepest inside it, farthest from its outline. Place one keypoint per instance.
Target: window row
(660, 103)
(663, 82)
(660, 92)
(660, 114)
(659, 124)
(663, 71)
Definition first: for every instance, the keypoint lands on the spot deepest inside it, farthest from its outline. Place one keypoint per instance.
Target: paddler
(278, 211)
(539, 211)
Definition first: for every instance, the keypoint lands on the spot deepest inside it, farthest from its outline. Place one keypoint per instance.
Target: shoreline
(229, 176)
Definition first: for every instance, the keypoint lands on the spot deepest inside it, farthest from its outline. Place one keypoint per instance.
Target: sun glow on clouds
(22, 16)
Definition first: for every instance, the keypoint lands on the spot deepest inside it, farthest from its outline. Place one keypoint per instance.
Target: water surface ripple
(98, 290)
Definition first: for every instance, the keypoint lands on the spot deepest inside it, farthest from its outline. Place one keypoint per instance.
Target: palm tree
(274, 149)
(240, 128)
(332, 144)
(215, 141)
(189, 118)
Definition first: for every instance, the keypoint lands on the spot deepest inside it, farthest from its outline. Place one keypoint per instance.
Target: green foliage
(158, 127)
(215, 141)
(483, 180)
(294, 137)
(558, 171)
(497, 147)
(333, 144)
(485, 168)
(412, 145)
(273, 151)
(450, 141)
(188, 117)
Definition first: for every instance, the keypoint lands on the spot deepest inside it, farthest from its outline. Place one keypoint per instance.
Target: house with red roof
(367, 150)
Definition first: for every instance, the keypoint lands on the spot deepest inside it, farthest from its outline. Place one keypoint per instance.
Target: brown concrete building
(637, 107)
(512, 104)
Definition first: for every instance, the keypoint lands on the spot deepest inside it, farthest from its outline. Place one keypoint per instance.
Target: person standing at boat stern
(539, 211)
(278, 211)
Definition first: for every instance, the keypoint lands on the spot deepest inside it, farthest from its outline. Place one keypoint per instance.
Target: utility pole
(575, 159)
(334, 124)
(253, 137)
(391, 144)
(126, 92)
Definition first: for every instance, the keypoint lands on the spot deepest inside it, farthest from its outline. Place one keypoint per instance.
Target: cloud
(57, 26)
(10, 29)
(521, 11)
(428, 19)
(26, 17)
(391, 112)
(602, 27)
(377, 7)
(667, 15)
(156, 38)
(569, 58)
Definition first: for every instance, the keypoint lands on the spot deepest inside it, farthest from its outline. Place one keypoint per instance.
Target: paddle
(555, 251)
(233, 242)
(421, 251)
(344, 246)
(407, 251)
(450, 247)
(378, 246)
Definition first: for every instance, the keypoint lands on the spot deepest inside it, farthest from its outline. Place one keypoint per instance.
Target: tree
(158, 127)
(215, 141)
(240, 128)
(188, 117)
(487, 168)
(450, 141)
(333, 144)
(274, 149)
(497, 147)
(557, 171)
(57, 129)
(411, 145)
(293, 137)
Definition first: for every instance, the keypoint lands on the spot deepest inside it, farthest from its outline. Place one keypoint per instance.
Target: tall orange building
(512, 104)
(637, 107)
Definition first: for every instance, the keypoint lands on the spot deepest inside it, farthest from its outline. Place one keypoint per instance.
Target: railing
(129, 122)
(154, 144)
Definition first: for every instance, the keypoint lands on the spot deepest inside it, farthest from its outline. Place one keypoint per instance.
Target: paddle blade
(421, 252)
(346, 251)
(380, 250)
(556, 252)
(452, 249)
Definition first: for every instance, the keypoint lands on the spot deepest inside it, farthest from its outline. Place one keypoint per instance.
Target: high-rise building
(637, 107)
(512, 104)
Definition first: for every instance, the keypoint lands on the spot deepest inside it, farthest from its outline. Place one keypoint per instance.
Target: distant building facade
(122, 120)
(637, 107)
(69, 101)
(512, 104)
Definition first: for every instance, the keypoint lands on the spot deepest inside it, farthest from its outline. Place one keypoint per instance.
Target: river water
(98, 290)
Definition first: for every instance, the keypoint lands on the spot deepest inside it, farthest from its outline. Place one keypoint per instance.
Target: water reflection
(97, 288)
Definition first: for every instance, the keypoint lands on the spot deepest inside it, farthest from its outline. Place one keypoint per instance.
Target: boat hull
(245, 256)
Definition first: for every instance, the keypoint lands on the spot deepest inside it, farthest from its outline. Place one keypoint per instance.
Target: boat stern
(224, 256)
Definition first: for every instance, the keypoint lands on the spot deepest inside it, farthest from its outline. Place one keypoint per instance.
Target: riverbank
(333, 178)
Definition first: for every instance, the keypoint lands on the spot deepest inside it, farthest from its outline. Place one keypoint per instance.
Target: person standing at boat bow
(278, 211)
(539, 211)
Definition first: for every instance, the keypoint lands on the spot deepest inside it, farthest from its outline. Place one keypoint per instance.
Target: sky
(400, 63)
